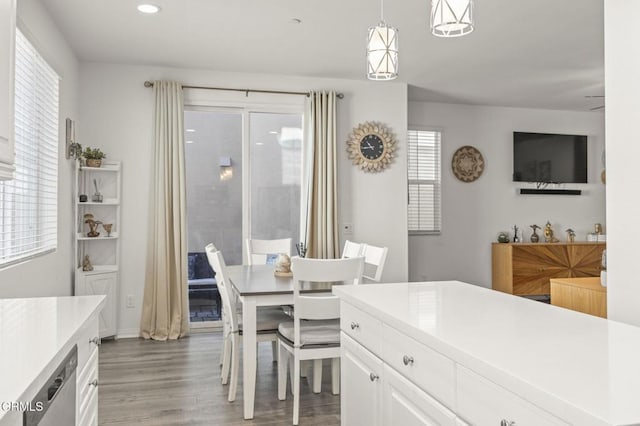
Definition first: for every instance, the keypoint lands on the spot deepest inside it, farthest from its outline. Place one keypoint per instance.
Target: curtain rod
(279, 92)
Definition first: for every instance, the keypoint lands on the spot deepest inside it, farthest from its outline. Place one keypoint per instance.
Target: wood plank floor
(177, 383)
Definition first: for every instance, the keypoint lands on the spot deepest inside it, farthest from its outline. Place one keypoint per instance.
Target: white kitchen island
(35, 336)
(451, 353)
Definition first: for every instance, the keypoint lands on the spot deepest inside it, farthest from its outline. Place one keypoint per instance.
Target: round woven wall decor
(467, 164)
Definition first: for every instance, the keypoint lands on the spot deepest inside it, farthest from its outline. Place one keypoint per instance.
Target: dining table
(257, 285)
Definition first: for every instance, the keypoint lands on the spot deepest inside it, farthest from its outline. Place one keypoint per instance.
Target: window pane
(424, 181)
(214, 191)
(276, 160)
(29, 202)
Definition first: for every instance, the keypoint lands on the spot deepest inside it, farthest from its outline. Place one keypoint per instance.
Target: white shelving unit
(103, 250)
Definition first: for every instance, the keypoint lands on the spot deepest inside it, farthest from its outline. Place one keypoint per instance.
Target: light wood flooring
(177, 383)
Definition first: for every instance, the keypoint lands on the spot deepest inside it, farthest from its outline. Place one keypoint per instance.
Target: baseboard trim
(128, 333)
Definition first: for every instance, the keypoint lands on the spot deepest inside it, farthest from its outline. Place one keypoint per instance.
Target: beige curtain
(165, 310)
(319, 196)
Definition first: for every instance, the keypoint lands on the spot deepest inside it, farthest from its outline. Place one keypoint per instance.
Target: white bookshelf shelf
(102, 236)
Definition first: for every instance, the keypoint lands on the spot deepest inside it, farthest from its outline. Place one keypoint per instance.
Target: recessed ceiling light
(148, 8)
(273, 132)
(189, 141)
(190, 130)
(296, 21)
(259, 143)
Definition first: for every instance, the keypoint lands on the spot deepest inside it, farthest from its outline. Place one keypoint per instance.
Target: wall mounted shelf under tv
(536, 191)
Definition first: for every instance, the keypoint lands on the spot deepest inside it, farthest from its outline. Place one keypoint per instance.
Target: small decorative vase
(92, 162)
(535, 237)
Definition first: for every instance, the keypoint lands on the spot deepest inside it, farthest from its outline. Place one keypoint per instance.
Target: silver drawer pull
(373, 377)
(96, 341)
(505, 422)
(94, 382)
(407, 360)
(354, 325)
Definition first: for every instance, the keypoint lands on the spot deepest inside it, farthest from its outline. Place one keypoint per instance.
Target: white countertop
(579, 367)
(33, 332)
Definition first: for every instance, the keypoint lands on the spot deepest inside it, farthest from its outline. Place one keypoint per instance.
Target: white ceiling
(540, 54)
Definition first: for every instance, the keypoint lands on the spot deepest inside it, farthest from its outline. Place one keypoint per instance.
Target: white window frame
(29, 202)
(436, 183)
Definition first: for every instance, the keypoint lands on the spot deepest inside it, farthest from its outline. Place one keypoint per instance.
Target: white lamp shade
(382, 52)
(451, 18)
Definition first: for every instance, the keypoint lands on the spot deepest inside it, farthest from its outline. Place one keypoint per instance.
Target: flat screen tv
(549, 158)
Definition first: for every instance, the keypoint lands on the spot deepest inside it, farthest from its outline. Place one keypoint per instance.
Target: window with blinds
(29, 202)
(424, 181)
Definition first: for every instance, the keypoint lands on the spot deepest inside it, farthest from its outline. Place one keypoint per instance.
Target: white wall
(622, 67)
(474, 213)
(117, 116)
(49, 275)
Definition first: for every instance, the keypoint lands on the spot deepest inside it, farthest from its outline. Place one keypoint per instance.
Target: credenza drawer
(428, 369)
(482, 402)
(361, 327)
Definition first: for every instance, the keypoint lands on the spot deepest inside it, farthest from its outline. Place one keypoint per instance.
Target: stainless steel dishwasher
(55, 403)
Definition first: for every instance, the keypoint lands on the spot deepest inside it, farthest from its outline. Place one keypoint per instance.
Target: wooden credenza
(526, 268)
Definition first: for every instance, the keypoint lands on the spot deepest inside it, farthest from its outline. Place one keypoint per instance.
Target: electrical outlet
(130, 303)
(347, 228)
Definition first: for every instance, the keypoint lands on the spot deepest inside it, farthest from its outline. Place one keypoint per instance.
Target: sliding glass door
(275, 157)
(243, 173)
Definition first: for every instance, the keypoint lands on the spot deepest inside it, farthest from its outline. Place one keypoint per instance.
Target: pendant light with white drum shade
(451, 18)
(382, 50)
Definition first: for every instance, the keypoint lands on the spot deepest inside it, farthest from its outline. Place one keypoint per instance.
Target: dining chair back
(314, 333)
(261, 252)
(267, 320)
(216, 260)
(374, 259)
(351, 249)
(313, 306)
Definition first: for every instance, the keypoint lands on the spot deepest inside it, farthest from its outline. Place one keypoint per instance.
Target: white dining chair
(351, 249)
(262, 252)
(374, 260)
(314, 332)
(267, 322)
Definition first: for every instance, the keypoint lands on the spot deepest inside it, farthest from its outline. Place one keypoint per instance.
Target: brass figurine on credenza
(571, 235)
(534, 237)
(548, 234)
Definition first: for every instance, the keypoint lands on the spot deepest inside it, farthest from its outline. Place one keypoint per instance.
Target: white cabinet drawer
(428, 369)
(361, 327)
(482, 402)
(406, 405)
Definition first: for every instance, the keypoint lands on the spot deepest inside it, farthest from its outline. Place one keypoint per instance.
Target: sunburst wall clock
(371, 146)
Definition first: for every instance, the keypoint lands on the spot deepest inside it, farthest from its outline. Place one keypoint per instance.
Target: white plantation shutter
(424, 181)
(29, 202)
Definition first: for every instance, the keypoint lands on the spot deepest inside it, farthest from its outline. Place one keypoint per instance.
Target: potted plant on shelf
(93, 156)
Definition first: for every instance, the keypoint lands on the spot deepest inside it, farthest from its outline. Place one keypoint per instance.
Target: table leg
(249, 355)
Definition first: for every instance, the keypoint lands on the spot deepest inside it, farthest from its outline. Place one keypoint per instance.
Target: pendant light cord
(382, 10)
